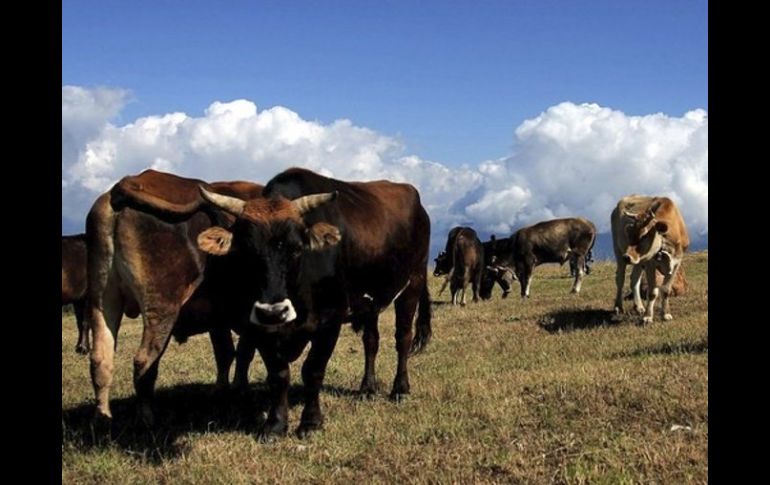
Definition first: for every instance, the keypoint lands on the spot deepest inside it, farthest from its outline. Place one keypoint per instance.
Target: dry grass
(550, 390)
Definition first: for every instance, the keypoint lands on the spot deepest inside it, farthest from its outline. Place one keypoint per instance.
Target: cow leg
(652, 293)
(475, 284)
(243, 358)
(465, 285)
(104, 319)
(524, 268)
(636, 281)
(579, 262)
(406, 306)
(278, 379)
(82, 346)
(620, 280)
(665, 288)
(224, 353)
(371, 339)
(313, 372)
(158, 324)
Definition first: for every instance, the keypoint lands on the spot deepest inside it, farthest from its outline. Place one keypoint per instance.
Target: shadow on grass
(570, 320)
(180, 410)
(683, 347)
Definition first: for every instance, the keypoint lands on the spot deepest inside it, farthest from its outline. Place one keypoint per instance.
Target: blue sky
(493, 109)
(451, 79)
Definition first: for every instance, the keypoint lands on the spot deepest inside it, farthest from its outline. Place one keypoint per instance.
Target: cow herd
(286, 264)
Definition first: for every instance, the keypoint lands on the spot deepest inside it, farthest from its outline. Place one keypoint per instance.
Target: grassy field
(551, 390)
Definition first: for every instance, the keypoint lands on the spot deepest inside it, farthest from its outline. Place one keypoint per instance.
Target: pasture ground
(550, 390)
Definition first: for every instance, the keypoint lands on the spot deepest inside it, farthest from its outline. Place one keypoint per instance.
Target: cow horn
(233, 205)
(630, 214)
(308, 202)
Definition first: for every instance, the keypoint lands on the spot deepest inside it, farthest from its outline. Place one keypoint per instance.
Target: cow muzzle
(273, 313)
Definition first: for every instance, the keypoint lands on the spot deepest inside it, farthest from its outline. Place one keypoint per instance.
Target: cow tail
(423, 331)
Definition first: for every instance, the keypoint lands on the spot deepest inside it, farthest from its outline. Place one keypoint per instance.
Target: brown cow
(141, 238)
(73, 283)
(649, 234)
(463, 260)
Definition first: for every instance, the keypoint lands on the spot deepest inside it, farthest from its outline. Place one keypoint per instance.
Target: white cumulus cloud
(572, 159)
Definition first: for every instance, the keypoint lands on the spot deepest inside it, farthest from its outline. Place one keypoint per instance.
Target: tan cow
(647, 233)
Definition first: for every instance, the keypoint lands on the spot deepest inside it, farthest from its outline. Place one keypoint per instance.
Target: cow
(314, 252)
(463, 261)
(494, 272)
(648, 233)
(141, 239)
(554, 241)
(73, 283)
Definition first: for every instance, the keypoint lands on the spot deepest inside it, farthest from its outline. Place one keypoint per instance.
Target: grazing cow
(649, 234)
(494, 272)
(554, 241)
(73, 283)
(316, 252)
(463, 261)
(141, 238)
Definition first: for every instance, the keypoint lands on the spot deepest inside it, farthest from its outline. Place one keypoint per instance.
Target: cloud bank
(572, 159)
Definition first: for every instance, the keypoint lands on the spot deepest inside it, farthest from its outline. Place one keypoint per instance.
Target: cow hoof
(306, 429)
(367, 391)
(145, 415)
(270, 431)
(647, 320)
(575, 291)
(668, 317)
(640, 310)
(101, 427)
(82, 349)
(618, 310)
(398, 397)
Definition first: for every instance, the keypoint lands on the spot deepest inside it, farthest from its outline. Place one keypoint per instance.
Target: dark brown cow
(494, 272)
(73, 283)
(648, 233)
(317, 252)
(141, 238)
(463, 260)
(554, 241)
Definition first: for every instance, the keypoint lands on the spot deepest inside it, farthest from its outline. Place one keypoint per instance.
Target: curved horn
(309, 202)
(630, 214)
(655, 206)
(233, 205)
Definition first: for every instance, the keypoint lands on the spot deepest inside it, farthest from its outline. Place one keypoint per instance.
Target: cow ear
(661, 227)
(215, 240)
(323, 235)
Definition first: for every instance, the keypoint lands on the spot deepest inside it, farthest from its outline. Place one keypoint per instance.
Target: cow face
(640, 231)
(266, 245)
(443, 264)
